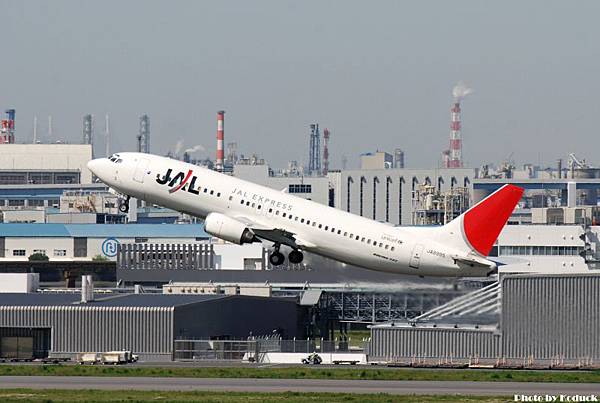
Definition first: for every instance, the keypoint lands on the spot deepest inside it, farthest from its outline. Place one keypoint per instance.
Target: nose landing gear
(124, 205)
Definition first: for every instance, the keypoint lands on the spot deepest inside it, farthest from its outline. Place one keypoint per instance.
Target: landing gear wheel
(124, 205)
(276, 258)
(295, 257)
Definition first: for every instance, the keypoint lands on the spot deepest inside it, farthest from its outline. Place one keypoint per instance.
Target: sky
(378, 74)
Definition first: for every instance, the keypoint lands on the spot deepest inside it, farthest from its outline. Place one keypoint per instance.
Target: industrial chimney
(455, 152)
(325, 151)
(220, 141)
(7, 133)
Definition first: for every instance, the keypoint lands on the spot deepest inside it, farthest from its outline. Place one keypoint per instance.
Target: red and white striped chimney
(220, 140)
(455, 140)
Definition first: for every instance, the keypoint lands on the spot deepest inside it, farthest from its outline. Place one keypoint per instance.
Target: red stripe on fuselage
(183, 182)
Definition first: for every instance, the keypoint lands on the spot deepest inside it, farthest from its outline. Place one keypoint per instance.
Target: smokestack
(559, 162)
(220, 140)
(87, 129)
(325, 151)
(34, 129)
(7, 134)
(144, 135)
(455, 158)
(314, 158)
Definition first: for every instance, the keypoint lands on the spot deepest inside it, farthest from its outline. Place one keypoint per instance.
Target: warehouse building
(22, 164)
(541, 318)
(60, 325)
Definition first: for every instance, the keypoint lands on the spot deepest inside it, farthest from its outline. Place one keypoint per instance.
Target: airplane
(241, 212)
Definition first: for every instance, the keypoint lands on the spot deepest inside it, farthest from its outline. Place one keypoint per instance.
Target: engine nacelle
(228, 229)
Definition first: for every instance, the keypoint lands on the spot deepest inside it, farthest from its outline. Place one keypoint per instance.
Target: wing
(275, 235)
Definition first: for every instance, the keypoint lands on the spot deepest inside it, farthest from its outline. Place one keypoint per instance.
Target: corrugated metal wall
(147, 331)
(549, 316)
(165, 256)
(392, 343)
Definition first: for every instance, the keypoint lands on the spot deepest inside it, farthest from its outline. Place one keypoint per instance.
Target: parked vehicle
(312, 359)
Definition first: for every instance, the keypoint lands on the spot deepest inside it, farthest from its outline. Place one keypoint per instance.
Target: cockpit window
(115, 158)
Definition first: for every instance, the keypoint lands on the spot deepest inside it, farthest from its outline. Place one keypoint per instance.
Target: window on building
(16, 203)
(301, 188)
(39, 251)
(60, 252)
(140, 239)
(18, 252)
(36, 203)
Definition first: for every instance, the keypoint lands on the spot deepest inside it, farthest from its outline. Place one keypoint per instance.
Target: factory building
(61, 325)
(541, 318)
(389, 194)
(22, 164)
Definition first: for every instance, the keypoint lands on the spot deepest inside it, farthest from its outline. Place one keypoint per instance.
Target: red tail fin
(483, 222)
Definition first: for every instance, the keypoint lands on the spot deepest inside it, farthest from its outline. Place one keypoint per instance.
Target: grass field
(307, 373)
(29, 395)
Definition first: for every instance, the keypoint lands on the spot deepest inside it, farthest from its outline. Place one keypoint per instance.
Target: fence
(186, 350)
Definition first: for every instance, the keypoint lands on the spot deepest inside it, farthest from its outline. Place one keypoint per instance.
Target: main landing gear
(276, 258)
(124, 205)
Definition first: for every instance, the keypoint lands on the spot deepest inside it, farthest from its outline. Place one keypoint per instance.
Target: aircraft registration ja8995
(239, 211)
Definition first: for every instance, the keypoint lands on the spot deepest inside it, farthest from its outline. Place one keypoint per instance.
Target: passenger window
(283, 215)
(253, 205)
(241, 202)
(219, 194)
(277, 212)
(393, 248)
(302, 221)
(326, 227)
(314, 223)
(307, 222)
(248, 203)
(259, 206)
(357, 237)
(205, 190)
(345, 233)
(387, 246)
(270, 210)
(332, 230)
(381, 244)
(363, 239)
(212, 192)
(320, 226)
(339, 231)
(351, 235)
(230, 198)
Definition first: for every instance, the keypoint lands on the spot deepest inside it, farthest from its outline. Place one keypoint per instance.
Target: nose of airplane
(97, 165)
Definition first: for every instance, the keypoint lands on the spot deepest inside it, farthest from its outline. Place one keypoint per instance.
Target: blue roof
(103, 230)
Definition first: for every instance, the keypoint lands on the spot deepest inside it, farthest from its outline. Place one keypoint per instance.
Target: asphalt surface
(298, 385)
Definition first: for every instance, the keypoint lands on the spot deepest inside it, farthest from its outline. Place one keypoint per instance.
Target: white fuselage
(319, 229)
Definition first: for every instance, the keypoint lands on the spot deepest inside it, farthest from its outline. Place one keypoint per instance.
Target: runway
(297, 385)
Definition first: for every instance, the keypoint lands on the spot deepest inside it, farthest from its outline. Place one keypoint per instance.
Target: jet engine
(228, 229)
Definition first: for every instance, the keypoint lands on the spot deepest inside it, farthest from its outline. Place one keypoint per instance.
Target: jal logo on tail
(183, 180)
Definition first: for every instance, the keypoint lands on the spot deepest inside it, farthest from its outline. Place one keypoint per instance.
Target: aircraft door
(141, 169)
(415, 259)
